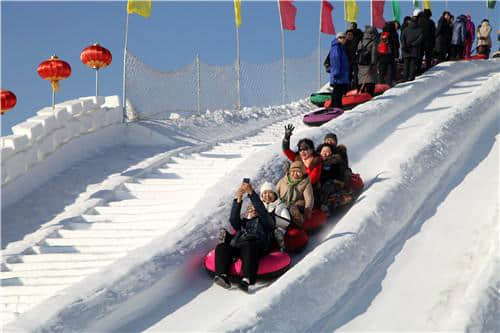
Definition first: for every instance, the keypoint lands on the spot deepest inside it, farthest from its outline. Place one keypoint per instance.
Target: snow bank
(366, 235)
(52, 140)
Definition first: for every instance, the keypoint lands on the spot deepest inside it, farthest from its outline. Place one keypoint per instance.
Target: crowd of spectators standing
(360, 59)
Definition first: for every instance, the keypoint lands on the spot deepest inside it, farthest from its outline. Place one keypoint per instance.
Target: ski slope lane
(227, 307)
(142, 209)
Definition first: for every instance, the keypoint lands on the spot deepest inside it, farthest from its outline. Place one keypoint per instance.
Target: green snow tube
(319, 99)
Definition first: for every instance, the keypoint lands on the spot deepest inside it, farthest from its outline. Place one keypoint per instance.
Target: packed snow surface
(419, 249)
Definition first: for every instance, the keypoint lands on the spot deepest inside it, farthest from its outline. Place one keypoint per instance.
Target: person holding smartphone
(251, 241)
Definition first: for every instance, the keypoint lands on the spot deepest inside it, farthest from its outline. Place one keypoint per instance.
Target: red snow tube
(476, 57)
(353, 97)
(381, 88)
(270, 265)
(356, 182)
(295, 239)
(318, 218)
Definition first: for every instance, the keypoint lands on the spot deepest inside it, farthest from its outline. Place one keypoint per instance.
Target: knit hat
(330, 136)
(267, 186)
(298, 165)
(340, 34)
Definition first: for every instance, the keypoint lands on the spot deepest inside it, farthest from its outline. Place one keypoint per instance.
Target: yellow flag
(237, 12)
(351, 11)
(427, 4)
(141, 7)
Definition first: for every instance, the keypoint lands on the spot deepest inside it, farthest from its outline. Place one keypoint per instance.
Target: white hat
(340, 34)
(417, 11)
(267, 186)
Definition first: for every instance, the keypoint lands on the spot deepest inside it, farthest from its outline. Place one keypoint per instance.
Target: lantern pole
(53, 99)
(96, 82)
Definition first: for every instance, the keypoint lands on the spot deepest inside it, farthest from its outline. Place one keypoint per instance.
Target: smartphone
(246, 180)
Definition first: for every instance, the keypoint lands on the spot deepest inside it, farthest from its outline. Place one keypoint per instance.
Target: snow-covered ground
(418, 251)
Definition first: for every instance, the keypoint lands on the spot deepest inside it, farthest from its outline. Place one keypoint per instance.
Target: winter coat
(368, 73)
(278, 210)
(390, 27)
(483, 34)
(314, 168)
(259, 228)
(334, 168)
(443, 36)
(339, 62)
(303, 191)
(429, 30)
(458, 34)
(470, 29)
(411, 41)
(385, 58)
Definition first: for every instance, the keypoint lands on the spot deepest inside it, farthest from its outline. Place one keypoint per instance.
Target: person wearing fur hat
(296, 192)
(278, 210)
(251, 242)
(305, 154)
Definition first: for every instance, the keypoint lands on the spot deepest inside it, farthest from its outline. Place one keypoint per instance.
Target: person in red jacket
(305, 153)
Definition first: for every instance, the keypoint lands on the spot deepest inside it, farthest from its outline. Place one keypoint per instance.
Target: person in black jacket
(251, 242)
(429, 29)
(411, 47)
(443, 36)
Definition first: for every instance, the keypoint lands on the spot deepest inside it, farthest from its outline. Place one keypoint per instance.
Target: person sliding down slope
(251, 242)
(305, 154)
(296, 191)
(278, 210)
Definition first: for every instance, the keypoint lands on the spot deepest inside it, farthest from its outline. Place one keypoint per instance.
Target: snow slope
(410, 147)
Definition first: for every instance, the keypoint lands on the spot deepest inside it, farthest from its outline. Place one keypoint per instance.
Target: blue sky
(33, 31)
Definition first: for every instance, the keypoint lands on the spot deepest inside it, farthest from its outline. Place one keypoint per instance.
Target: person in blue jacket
(339, 70)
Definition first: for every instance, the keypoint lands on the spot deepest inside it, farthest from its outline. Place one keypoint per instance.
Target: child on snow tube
(250, 243)
(278, 211)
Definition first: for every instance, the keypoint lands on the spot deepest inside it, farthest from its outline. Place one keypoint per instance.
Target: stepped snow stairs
(146, 207)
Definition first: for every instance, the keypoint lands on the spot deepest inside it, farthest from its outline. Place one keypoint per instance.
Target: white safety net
(198, 86)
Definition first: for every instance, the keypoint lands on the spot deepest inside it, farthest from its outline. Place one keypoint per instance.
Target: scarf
(292, 184)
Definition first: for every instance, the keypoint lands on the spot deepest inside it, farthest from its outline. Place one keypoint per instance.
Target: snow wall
(126, 293)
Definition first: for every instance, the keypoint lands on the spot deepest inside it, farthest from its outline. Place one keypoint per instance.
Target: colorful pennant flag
(491, 4)
(326, 18)
(351, 11)
(396, 12)
(378, 13)
(427, 4)
(287, 12)
(237, 12)
(140, 7)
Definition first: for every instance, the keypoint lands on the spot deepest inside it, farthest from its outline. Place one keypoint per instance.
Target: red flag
(326, 18)
(288, 12)
(378, 13)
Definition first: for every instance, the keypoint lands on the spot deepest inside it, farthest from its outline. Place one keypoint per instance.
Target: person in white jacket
(278, 210)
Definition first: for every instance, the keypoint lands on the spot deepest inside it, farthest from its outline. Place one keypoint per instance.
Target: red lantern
(54, 70)
(9, 100)
(96, 57)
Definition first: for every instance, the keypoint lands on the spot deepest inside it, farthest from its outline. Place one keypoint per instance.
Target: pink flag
(326, 18)
(378, 13)
(288, 12)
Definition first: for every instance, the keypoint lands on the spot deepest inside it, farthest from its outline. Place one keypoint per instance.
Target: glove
(288, 131)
